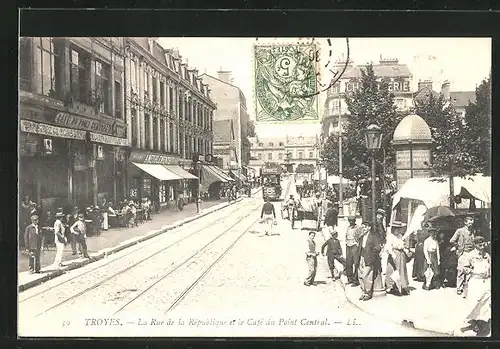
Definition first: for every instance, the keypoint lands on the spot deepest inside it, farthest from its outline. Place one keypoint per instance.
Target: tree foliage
(451, 154)
(371, 103)
(478, 127)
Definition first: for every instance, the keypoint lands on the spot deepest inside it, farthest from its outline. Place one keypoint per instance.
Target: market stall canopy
(179, 171)
(435, 191)
(158, 171)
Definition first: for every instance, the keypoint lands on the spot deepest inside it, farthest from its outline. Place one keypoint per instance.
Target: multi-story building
(231, 105)
(398, 77)
(73, 137)
(170, 114)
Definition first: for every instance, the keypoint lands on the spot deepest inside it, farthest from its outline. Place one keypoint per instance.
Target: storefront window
(134, 188)
(162, 193)
(146, 187)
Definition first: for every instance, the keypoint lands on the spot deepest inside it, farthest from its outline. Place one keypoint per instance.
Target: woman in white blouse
(433, 260)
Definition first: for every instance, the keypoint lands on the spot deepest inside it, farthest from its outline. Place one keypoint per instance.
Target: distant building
(398, 76)
(231, 105)
(225, 142)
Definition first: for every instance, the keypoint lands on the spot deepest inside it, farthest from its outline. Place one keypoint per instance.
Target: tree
(371, 103)
(451, 156)
(478, 127)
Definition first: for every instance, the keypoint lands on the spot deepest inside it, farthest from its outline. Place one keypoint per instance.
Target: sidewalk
(441, 311)
(114, 240)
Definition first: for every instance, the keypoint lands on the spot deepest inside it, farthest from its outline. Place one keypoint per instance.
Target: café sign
(83, 123)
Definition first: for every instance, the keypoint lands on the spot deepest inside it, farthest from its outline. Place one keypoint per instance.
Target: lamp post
(373, 140)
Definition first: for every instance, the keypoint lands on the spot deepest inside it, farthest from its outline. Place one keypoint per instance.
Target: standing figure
(104, 215)
(268, 216)
(290, 207)
(433, 261)
(59, 239)
(463, 244)
(352, 238)
(311, 259)
(33, 241)
(369, 265)
(333, 253)
(331, 215)
(78, 229)
(419, 263)
(396, 281)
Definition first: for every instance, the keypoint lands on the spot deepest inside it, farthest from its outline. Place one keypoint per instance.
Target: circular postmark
(288, 78)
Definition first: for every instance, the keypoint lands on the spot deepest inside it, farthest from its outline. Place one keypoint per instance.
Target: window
(162, 93)
(146, 129)
(336, 88)
(335, 106)
(156, 141)
(80, 76)
(280, 156)
(155, 90)
(146, 187)
(400, 103)
(300, 155)
(162, 192)
(146, 85)
(118, 100)
(47, 56)
(162, 143)
(25, 64)
(171, 98)
(281, 144)
(135, 131)
(261, 144)
(133, 76)
(269, 156)
(259, 156)
(311, 155)
(102, 87)
(171, 137)
(271, 144)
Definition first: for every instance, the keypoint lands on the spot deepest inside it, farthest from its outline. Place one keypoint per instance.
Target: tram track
(135, 265)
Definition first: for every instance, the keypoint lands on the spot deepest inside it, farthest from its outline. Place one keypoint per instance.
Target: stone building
(73, 136)
(170, 114)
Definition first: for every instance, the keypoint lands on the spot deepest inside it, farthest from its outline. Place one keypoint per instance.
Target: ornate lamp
(373, 137)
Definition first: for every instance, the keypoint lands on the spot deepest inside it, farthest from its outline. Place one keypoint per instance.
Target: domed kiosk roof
(413, 128)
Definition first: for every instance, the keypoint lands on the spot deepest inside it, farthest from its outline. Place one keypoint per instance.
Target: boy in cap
(33, 243)
(333, 252)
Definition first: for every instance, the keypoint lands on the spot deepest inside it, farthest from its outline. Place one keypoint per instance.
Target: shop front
(213, 181)
(159, 178)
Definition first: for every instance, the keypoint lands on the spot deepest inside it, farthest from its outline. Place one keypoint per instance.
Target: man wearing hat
(352, 238)
(333, 253)
(78, 229)
(331, 215)
(59, 239)
(463, 244)
(369, 265)
(397, 274)
(33, 243)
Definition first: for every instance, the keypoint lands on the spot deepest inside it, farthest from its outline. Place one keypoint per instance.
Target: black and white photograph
(254, 187)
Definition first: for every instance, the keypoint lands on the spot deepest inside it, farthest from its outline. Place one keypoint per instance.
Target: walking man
(311, 259)
(369, 264)
(333, 253)
(78, 229)
(463, 244)
(352, 238)
(59, 240)
(33, 241)
(268, 216)
(331, 216)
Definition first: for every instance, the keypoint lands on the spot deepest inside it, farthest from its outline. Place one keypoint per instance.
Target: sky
(465, 62)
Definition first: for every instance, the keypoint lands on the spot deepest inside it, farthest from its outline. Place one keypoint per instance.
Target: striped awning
(158, 171)
(179, 171)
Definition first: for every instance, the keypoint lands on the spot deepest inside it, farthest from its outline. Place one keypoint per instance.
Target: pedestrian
(70, 220)
(463, 244)
(433, 261)
(331, 215)
(369, 271)
(104, 215)
(33, 240)
(268, 216)
(419, 263)
(311, 259)
(290, 206)
(396, 281)
(352, 239)
(96, 220)
(78, 229)
(59, 239)
(333, 253)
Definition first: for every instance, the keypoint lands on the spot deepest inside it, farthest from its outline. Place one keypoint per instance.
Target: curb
(403, 321)
(75, 264)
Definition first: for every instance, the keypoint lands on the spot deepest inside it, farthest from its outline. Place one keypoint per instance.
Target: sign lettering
(152, 158)
(82, 123)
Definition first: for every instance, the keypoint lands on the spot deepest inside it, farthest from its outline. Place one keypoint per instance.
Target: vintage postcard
(254, 187)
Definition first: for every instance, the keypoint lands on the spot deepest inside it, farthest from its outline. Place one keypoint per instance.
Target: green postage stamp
(286, 83)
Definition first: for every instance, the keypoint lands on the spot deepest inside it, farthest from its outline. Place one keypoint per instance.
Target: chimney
(225, 75)
(445, 89)
(422, 84)
(175, 53)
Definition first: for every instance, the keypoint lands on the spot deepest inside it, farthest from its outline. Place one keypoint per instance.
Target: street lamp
(373, 140)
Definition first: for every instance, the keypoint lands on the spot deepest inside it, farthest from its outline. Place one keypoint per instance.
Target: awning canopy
(222, 174)
(158, 171)
(179, 171)
(212, 172)
(239, 175)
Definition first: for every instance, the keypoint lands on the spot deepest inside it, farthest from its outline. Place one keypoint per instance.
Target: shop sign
(83, 123)
(99, 138)
(153, 158)
(48, 130)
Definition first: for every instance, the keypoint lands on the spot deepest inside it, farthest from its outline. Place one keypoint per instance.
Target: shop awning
(179, 171)
(213, 173)
(222, 174)
(158, 171)
(239, 175)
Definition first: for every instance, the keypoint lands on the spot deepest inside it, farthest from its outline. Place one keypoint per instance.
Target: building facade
(73, 135)
(231, 105)
(169, 114)
(398, 77)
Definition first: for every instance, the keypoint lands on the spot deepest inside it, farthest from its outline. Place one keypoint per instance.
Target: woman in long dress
(396, 273)
(419, 264)
(433, 259)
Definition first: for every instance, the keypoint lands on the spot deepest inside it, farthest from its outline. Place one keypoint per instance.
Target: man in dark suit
(33, 243)
(369, 264)
(331, 216)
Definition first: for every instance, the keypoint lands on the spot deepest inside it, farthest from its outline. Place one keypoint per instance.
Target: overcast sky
(465, 62)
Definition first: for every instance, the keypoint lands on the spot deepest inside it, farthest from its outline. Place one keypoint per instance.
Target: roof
(301, 141)
(412, 127)
(223, 132)
(424, 93)
(462, 98)
(227, 83)
(380, 70)
(158, 51)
